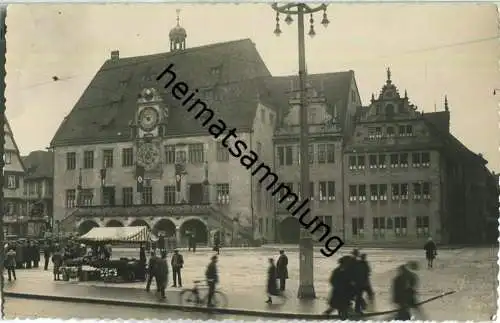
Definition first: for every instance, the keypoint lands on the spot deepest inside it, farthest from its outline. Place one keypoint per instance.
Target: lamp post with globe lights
(306, 287)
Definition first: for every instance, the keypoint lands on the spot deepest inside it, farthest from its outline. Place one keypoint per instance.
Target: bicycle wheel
(188, 297)
(219, 299)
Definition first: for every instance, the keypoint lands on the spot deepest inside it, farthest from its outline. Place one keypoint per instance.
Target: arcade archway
(86, 226)
(139, 223)
(114, 224)
(290, 230)
(165, 225)
(197, 227)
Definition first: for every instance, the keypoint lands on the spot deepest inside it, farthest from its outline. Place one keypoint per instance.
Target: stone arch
(166, 225)
(138, 223)
(289, 230)
(198, 227)
(114, 224)
(86, 226)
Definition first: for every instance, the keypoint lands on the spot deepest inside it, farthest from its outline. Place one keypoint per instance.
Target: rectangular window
(289, 155)
(422, 226)
(147, 195)
(358, 227)
(87, 197)
(415, 160)
(88, 159)
(402, 131)
(170, 156)
(311, 154)
(127, 196)
(378, 132)
(403, 160)
(107, 158)
(426, 191)
(222, 152)
(362, 192)
(322, 191)
(70, 160)
(417, 191)
(379, 227)
(390, 132)
(394, 160)
(361, 162)
(222, 191)
(395, 192)
(409, 130)
(382, 192)
(108, 194)
(196, 153)
(372, 161)
(11, 182)
(169, 194)
(404, 191)
(330, 153)
(7, 157)
(70, 199)
(280, 155)
(127, 157)
(426, 159)
(180, 156)
(353, 193)
(382, 161)
(331, 191)
(321, 153)
(374, 192)
(353, 162)
(311, 190)
(400, 226)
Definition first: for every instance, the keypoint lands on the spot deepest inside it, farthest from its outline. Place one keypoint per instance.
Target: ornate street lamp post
(306, 287)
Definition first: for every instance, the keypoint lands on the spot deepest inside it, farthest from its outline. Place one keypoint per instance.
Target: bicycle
(192, 296)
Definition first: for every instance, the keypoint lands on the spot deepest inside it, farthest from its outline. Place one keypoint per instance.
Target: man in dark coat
(161, 273)
(36, 254)
(152, 271)
(19, 255)
(46, 255)
(430, 252)
(57, 260)
(356, 269)
(177, 262)
(191, 241)
(282, 269)
(272, 285)
(342, 288)
(10, 263)
(212, 277)
(217, 241)
(142, 261)
(404, 293)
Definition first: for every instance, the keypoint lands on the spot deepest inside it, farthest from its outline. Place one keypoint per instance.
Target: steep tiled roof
(334, 86)
(39, 164)
(103, 112)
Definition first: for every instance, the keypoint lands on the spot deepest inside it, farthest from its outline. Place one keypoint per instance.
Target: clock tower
(149, 123)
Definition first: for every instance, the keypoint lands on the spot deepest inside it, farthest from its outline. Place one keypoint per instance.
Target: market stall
(99, 264)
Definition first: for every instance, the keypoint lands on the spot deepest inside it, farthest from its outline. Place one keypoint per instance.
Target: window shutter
(6, 180)
(17, 181)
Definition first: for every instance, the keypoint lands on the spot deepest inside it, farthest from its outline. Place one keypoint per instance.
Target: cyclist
(212, 277)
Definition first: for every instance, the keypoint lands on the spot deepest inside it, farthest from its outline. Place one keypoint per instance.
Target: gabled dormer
(390, 105)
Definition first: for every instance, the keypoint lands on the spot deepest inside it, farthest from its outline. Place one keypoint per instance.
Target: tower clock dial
(148, 118)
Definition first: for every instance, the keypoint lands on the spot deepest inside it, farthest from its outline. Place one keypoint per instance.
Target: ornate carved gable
(390, 105)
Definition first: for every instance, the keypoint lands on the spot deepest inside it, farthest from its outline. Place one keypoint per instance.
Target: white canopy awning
(117, 234)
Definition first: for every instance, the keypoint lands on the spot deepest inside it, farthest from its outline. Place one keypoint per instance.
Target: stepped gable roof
(334, 86)
(39, 164)
(109, 103)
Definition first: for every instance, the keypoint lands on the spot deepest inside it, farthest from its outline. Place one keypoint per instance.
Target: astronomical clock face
(148, 156)
(148, 119)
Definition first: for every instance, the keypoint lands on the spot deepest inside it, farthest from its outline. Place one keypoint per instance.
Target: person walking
(10, 263)
(57, 260)
(36, 254)
(404, 293)
(365, 283)
(212, 276)
(430, 252)
(217, 241)
(272, 284)
(152, 271)
(282, 269)
(177, 263)
(46, 256)
(161, 274)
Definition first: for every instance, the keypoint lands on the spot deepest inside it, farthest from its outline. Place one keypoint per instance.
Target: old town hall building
(128, 154)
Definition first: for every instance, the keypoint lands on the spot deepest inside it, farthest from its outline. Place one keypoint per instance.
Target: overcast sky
(432, 50)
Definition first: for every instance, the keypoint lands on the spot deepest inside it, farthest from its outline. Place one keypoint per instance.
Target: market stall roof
(138, 234)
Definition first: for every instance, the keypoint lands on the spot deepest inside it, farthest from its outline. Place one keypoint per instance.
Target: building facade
(130, 154)
(38, 192)
(15, 213)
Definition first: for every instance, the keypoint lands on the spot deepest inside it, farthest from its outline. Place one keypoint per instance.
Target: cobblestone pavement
(470, 272)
